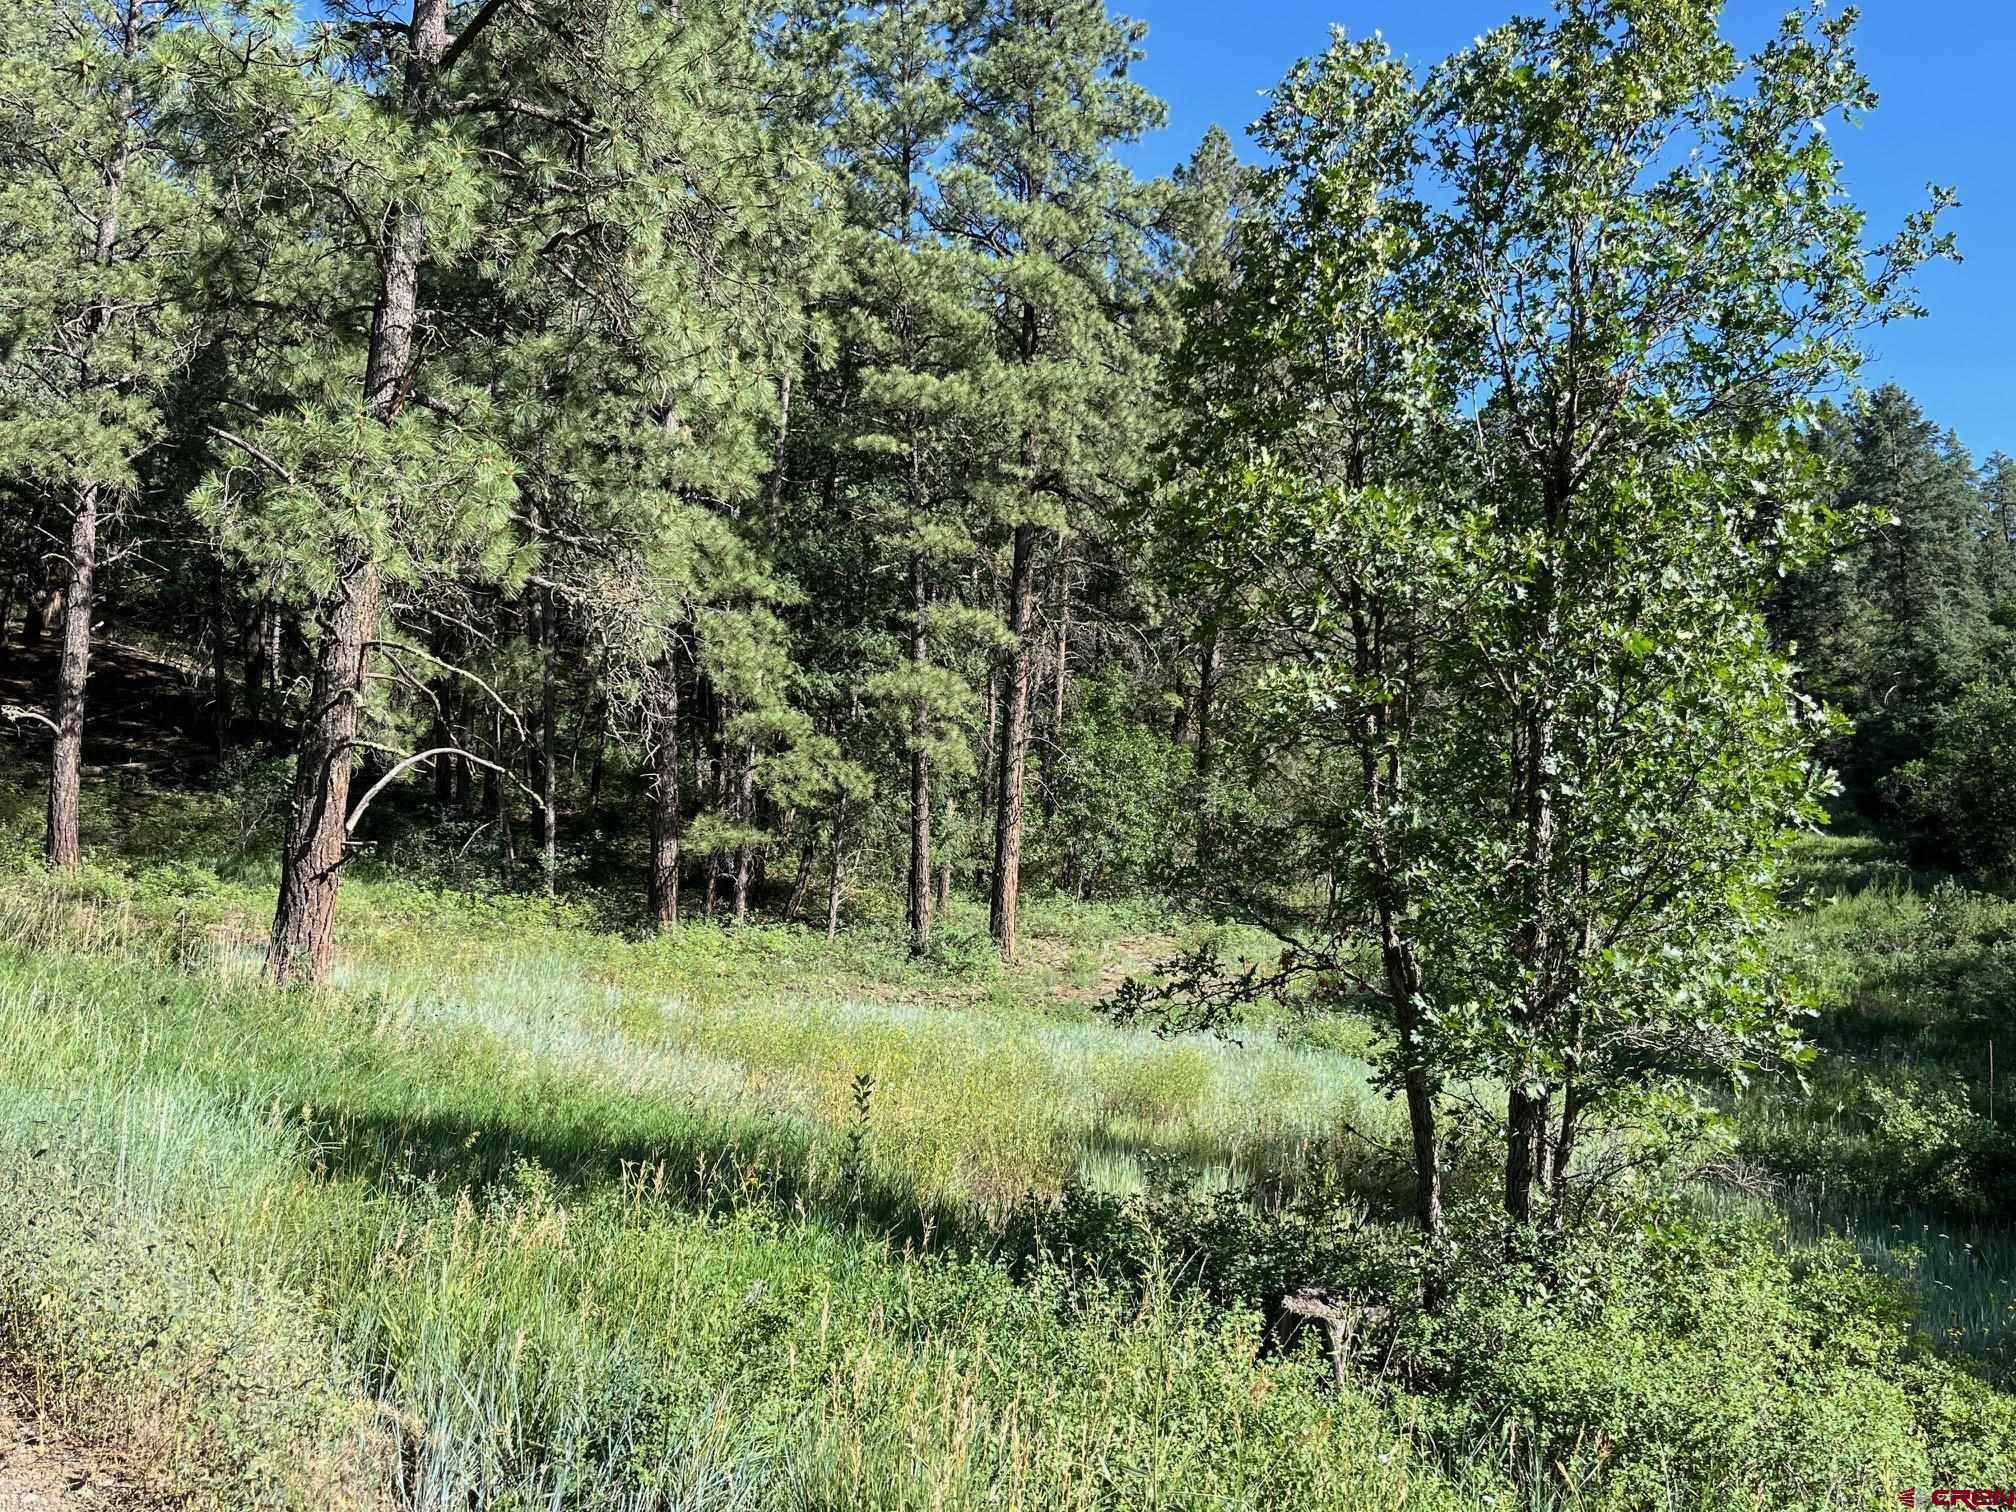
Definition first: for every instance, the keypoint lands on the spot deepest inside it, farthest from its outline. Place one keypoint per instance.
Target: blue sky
(1945, 71)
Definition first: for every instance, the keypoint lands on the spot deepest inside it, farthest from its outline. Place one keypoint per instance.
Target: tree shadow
(699, 1164)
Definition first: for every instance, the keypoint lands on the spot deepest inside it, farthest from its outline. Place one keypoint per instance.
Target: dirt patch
(39, 1472)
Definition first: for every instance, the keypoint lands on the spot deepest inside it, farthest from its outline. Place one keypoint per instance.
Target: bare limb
(446, 666)
(467, 36)
(250, 450)
(15, 713)
(350, 824)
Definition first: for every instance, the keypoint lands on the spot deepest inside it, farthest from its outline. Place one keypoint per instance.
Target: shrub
(1687, 1363)
(126, 1308)
(1119, 818)
(1957, 802)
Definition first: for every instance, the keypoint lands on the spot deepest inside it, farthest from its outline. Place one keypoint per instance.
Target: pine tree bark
(990, 722)
(745, 814)
(1060, 684)
(311, 861)
(801, 884)
(717, 781)
(598, 764)
(66, 757)
(665, 828)
(835, 867)
(443, 765)
(549, 718)
(1007, 880)
(304, 919)
(73, 669)
(920, 770)
(945, 864)
(499, 791)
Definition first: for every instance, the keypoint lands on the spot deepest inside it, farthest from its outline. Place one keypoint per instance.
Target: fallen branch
(14, 714)
(350, 824)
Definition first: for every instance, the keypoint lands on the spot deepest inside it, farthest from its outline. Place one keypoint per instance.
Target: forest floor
(41, 1472)
(141, 708)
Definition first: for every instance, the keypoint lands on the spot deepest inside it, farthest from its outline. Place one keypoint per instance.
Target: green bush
(1957, 802)
(1712, 1359)
(1684, 1364)
(1119, 814)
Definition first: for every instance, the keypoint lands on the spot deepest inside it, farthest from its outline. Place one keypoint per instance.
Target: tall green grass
(523, 1212)
(538, 1236)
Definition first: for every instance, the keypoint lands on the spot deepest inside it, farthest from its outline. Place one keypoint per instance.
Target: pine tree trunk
(443, 766)
(834, 873)
(304, 919)
(73, 668)
(665, 803)
(945, 864)
(1060, 682)
(1007, 880)
(920, 771)
(549, 813)
(717, 755)
(597, 765)
(66, 757)
(801, 884)
(311, 861)
(499, 789)
(984, 789)
(745, 814)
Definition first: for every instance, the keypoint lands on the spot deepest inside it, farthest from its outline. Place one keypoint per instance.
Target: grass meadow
(514, 1214)
(519, 1212)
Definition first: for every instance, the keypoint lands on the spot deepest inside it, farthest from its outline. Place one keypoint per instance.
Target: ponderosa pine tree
(1033, 187)
(916, 350)
(516, 150)
(94, 327)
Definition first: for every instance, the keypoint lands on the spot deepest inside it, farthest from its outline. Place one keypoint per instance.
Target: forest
(730, 777)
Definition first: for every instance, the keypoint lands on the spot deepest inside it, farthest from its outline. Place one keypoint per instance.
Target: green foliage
(217, 1381)
(1690, 1363)
(1957, 801)
(1119, 820)
(1625, 1369)
(1532, 749)
(99, 234)
(1905, 605)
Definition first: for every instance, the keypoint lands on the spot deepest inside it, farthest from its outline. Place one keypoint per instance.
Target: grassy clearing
(1897, 1142)
(555, 1225)
(522, 1212)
